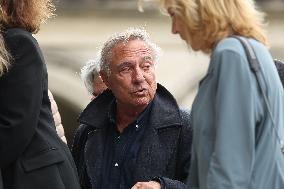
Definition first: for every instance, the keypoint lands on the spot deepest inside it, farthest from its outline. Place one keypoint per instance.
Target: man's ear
(104, 77)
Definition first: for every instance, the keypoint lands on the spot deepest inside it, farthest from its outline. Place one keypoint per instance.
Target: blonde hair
(27, 14)
(4, 57)
(217, 19)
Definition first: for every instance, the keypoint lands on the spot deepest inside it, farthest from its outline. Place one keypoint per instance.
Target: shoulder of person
(80, 138)
(185, 114)
(82, 131)
(17, 32)
(228, 44)
(19, 37)
(230, 55)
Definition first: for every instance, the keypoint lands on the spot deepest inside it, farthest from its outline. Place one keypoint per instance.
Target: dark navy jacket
(165, 150)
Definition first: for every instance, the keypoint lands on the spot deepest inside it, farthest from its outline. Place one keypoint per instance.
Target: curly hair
(27, 14)
(105, 53)
(217, 19)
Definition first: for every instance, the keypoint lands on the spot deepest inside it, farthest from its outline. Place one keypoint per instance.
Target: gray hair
(105, 53)
(89, 73)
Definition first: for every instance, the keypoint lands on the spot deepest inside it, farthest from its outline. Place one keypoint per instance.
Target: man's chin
(140, 102)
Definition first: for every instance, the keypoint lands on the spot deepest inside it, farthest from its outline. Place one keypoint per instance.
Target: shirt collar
(137, 121)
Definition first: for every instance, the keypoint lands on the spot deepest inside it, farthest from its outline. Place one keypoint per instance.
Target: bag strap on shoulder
(255, 67)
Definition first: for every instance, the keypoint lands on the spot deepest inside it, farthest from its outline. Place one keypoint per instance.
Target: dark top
(32, 155)
(121, 150)
(164, 149)
(280, 69)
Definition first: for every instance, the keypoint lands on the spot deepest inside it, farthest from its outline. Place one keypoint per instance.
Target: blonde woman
(236, 145)
(32, 155)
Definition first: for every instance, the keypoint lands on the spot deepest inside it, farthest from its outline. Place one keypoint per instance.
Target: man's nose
(138, 75)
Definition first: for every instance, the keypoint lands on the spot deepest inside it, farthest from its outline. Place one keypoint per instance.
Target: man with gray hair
(133, 134)
(92, 79)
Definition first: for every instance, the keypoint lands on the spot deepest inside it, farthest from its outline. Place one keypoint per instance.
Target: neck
(125, 115)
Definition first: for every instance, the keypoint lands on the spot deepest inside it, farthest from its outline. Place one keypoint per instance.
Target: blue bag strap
(255, 67)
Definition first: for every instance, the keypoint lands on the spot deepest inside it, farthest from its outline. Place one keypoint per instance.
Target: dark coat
(280, 69)
(32, 155)
(165, 150)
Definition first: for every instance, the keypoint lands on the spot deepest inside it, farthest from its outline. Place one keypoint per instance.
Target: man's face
(132, 74)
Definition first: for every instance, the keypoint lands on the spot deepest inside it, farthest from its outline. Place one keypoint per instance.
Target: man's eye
(125, 69)
(146, 67)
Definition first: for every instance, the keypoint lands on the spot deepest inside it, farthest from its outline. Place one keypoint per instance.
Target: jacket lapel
(160, 138)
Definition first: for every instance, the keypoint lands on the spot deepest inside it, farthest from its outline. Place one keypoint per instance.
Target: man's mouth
(140, 92)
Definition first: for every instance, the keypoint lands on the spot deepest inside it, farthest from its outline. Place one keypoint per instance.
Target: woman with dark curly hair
(32, 155)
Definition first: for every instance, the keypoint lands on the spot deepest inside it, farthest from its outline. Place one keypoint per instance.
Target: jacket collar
(165, 110)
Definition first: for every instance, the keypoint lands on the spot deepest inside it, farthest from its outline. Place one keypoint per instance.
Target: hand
(147, 185)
